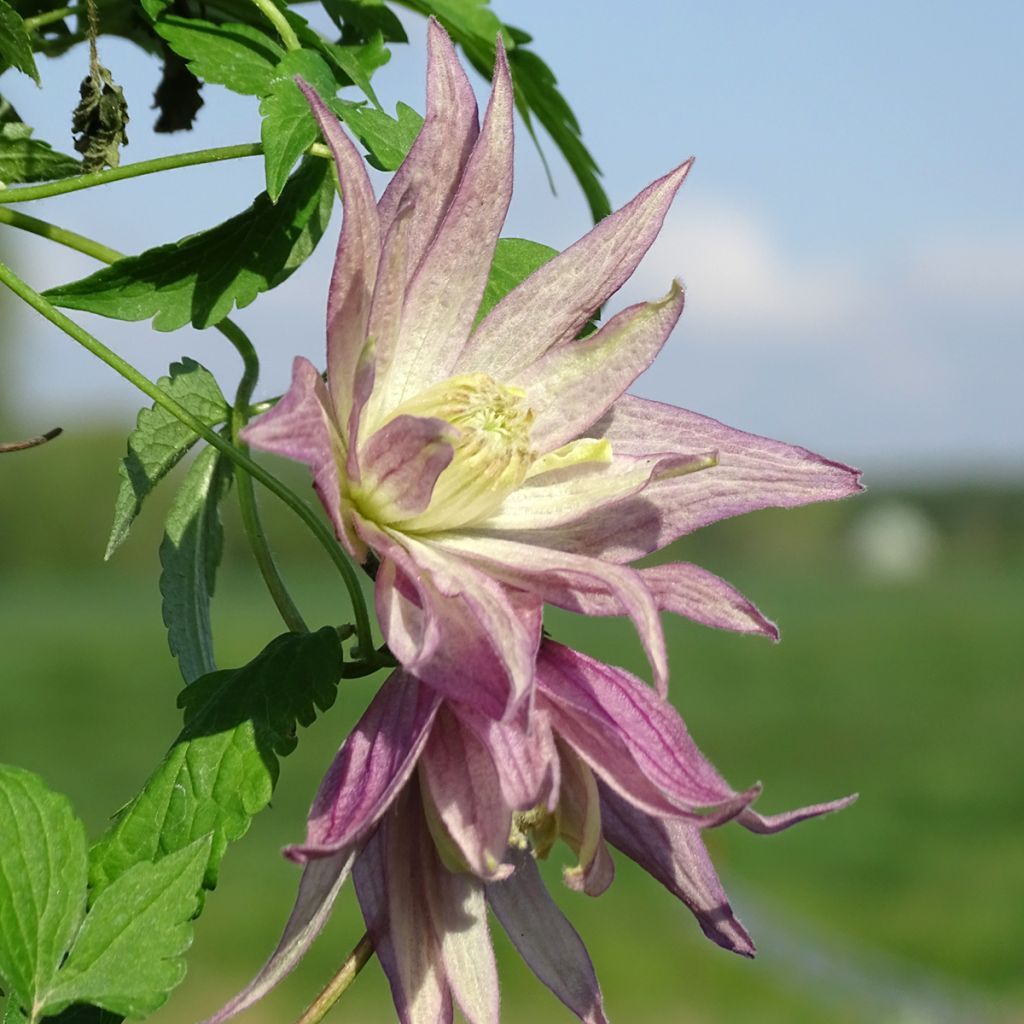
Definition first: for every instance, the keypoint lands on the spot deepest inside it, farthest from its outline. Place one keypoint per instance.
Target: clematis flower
(490, 467)
(440, 811)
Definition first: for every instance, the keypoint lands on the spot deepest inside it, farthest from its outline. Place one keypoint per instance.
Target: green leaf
(128, 955)
(222, 769)
(159, 441)
(24, 159)
(359, 20)
(360, 62)
(387, 139)
(190, 554)
(288, 124)
(199, 279)
(42, 884)
(239, 56)
(16, 43)
(515, 259)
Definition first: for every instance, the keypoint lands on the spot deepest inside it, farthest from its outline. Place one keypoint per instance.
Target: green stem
(246, 495)
(276, 17)
(92, 344)
(49, 17)
(62, 236)
(335, 988)
(25, 193)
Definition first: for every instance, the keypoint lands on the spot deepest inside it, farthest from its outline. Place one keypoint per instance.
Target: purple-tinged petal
(632, 738)
(673, 852)
(459, 911)
(465, 790)
(579, 824)
(434, 166)
(574, 492)
(373, 764)
(321, 882)
(400, 463)
(552, 304)
(769, 824)
(490, 633)
(688, 590)
(301, 426)
(752, 473)
(393, 876)
(566, 580)
(355, 266)
(523, 752)
(445, 292)
(571, 386)
(545, 939)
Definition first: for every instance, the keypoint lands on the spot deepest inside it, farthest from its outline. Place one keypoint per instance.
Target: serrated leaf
(360, 62)
(189, 555)
(242, 57)
(388, 139)
(288, 125)
(515, 259)
(222, 769)
(24, 159)
(159, 441)
(360, 19)
(16, 43)
(128, 954)
(202, 277)
(42, 884)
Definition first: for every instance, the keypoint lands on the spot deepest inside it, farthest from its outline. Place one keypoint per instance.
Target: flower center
(492, 451)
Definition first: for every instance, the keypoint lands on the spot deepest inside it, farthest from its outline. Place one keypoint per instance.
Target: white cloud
(741, 282)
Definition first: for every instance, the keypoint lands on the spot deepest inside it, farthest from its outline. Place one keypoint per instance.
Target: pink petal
(321, 882)
(393, 875)
(459, 913)
(355, 266)
(445, 292)
(752, 472)
(632, 738)
(401, 462)
(465, 789)
(552, 304)
(479, 639)
(673, 852)
(373, 764)
(545, 939)
(767, 825)
(572, 385)
(301, 426)
(523, 753)
(568, 581)
(435, 163)
(695, 593)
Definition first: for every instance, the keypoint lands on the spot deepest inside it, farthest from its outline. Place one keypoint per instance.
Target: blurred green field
(906, 907)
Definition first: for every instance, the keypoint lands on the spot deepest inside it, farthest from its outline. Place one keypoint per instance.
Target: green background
(906, 907)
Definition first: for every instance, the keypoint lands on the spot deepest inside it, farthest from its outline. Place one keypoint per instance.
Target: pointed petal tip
(769, 824)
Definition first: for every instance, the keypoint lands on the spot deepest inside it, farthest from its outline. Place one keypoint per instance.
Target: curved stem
(92, 344)
(246, 495)
(336, 987)
(276, 18)
(62, 236)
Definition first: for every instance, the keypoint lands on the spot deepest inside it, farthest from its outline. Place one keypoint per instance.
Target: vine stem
(336, 987)
(27, 294)
(276, 17)
(27, 193)
(246, 495)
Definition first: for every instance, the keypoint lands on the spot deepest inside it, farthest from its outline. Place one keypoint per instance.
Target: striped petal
(572, 385)
(552, 304)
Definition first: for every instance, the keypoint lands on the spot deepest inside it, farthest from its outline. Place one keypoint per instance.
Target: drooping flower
(492, 467)
(439, 812)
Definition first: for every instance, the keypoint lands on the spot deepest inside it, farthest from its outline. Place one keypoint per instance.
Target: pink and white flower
(494, 466)
(439, 811)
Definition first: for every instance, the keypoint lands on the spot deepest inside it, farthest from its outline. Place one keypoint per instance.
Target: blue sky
(851, 237)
